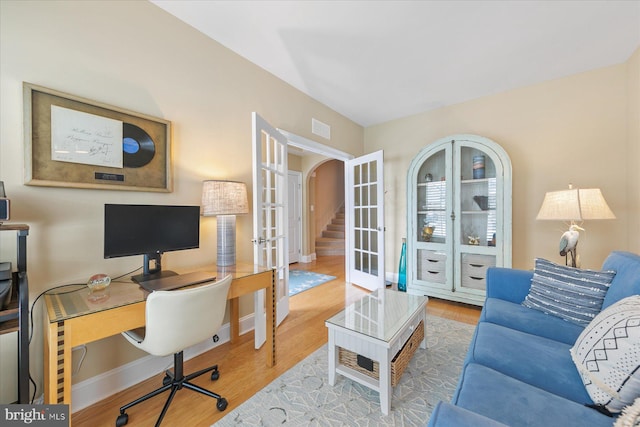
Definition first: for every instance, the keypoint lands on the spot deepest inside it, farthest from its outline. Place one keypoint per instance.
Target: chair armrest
(448, 415)
(508, 284)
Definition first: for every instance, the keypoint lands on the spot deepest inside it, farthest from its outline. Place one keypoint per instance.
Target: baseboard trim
(99, 387)
(308, 258)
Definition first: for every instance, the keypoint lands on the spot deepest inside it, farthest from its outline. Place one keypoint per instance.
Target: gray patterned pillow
(572, 294)
(607, 355)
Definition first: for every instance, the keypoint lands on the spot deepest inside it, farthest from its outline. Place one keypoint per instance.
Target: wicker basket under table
(398, 363)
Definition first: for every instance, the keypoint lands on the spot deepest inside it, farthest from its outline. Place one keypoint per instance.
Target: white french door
(270, 215)
(364, 193)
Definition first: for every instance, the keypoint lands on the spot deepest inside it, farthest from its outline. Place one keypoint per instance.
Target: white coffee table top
(380, 314)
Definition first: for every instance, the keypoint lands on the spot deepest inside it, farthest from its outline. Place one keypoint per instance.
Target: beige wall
(329, 193)
(569, 130)
(633, 147)
(133, 55)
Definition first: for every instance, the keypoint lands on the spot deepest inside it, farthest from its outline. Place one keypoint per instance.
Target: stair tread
(331, 241)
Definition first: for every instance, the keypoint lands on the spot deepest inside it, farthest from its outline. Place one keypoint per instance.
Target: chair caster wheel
(166, 380)
(123, 419)
(222, 404)
(215, 375)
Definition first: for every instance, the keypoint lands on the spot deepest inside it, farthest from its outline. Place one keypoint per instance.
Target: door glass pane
(373, 192)
(373, 171)
(365, 217)
(374, 265)
(365, 173)
(374, 218)
(356, 175)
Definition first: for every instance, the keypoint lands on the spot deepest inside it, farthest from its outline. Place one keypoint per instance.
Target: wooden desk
(72, 321)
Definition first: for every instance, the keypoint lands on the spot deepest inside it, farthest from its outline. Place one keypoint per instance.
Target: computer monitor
(150, 230)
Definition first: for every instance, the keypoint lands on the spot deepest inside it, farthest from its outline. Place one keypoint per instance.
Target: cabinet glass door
(434, 230)
(478, 221)
(432, 198)
(477, 198)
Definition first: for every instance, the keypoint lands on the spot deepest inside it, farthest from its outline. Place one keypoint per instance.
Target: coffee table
(370, 336)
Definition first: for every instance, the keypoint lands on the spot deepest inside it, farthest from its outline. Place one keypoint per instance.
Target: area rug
(301, 280)
(302, 396)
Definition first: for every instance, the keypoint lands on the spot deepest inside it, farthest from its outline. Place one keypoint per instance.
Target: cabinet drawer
(432, 266)
(474, 270)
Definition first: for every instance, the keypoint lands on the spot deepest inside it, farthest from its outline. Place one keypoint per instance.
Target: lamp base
(226, 240)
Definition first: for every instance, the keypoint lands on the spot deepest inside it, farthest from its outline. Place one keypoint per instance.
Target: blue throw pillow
(570, 293)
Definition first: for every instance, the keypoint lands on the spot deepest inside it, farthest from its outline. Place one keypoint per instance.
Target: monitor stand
(152, 273)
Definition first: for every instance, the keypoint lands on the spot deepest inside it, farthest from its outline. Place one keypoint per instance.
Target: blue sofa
(518, 370)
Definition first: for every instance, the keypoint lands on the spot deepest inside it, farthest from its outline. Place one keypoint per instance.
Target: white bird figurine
(569, 241)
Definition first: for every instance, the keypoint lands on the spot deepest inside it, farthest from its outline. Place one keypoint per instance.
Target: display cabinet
(459, 217)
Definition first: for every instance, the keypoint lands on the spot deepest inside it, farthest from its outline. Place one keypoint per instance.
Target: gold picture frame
(75, 142)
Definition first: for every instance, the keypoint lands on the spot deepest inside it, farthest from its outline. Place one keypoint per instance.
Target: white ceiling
(375, 61)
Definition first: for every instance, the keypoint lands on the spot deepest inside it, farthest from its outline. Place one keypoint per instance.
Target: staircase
(332, 240)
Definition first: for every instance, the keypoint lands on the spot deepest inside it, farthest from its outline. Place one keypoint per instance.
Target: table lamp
(573, 205)
(225, 199)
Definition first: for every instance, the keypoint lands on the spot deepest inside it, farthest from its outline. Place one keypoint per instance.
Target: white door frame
(332, 153)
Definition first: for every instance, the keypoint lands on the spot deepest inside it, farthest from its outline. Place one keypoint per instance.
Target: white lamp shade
(575, 205)
(224, 198)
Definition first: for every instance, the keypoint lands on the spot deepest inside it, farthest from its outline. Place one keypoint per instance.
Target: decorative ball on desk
(98, 285)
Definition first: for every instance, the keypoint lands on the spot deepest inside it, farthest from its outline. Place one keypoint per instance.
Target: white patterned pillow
(607, 355)
(630, 416)
(572, 294)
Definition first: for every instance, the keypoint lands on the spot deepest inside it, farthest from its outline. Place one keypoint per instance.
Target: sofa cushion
(535, 322)
(447, 415)
(607, 354)
(573, 294)
(538, 361)
(627, 280)
(497, 396)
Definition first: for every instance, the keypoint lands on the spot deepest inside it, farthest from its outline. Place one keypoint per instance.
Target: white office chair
(176, 320)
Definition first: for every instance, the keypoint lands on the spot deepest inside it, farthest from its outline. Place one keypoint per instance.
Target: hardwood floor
(242, 369)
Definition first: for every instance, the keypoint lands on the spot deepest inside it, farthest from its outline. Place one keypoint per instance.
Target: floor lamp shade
(225, 199)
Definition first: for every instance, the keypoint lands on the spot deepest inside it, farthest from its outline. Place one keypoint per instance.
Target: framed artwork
(75, 142)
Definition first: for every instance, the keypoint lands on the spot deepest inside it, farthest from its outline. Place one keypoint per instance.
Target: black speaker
(4, 204)
(4, 209)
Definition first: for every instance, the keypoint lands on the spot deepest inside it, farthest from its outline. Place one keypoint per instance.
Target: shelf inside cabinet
(485, 212)
(9, 326)
(9, 315)
(475, 181)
